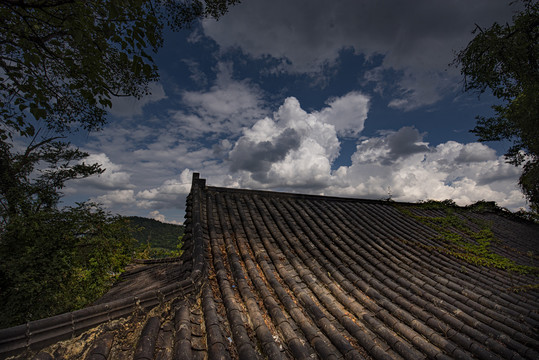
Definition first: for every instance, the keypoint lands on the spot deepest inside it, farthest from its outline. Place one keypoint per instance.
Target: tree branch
(42, 5)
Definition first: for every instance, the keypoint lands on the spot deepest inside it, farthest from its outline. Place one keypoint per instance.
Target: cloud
(171, 194)
(197, 75)
(225, 108)
(294, 150)
(127, 107)
(306, 36)
(417, 87)
(168, 194)
(257, 158)
(156, 215)
(407, 141)
(394, 145)
(348, 113)
(151, 152)
(401, 164)
(117, 197)
(397, 163)
(112, 178)
(291, 148)
(475, 152)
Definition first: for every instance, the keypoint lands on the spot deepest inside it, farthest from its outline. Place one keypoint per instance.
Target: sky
(344, 98)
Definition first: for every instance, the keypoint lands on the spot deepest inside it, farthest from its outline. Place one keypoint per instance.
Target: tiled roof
(274, 275)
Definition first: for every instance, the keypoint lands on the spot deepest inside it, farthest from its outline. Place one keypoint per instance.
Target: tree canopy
(157, 233)
(63, 60)
(54, 261)
(61, 63)
(505, 60)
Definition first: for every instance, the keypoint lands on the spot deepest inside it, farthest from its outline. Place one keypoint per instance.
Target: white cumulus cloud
(294, 150)
(169, 194)
(114, 176)
(295, 147)
(117, 198)
(348, 113)
(156, 215)
(410, 170)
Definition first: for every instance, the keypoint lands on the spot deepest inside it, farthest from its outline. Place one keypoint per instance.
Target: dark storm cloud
(258, 157)
(405, 142)
(386, 150)
(416, 38)
(393, 27)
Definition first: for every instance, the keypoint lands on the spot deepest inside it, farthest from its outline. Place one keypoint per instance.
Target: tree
(62, 61)
(54, 261)
(505, 59)
(157, 233)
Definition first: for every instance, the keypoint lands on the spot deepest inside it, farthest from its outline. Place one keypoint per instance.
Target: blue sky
(348, 98)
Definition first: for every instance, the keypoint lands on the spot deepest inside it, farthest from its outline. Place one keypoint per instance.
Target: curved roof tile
(279, 276)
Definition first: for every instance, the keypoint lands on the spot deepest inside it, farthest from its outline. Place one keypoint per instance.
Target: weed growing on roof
(524, 288)
(464, 237)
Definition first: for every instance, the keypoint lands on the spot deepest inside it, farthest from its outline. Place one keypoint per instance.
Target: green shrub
(54, 261)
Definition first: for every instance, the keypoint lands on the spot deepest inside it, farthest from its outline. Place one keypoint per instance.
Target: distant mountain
(158, 234)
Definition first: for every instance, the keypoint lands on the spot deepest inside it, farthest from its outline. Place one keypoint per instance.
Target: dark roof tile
(274, 275)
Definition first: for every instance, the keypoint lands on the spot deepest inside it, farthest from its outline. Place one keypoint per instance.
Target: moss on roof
(280, 276)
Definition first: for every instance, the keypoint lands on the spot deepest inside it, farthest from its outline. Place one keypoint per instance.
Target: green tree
(61, 63)
(505, 59)
(63, 60)
(158, 234)
(54, 261)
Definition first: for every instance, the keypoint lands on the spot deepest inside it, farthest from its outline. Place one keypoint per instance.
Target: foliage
(30, 180)
(147, 251)
(505, 59)
(63, 60)
(464, 237)
(435, 204)
(484, 206)
(156, 233)
(524, 288)
(156, 239)
(532, 216)
(54, 261)
(61, 63)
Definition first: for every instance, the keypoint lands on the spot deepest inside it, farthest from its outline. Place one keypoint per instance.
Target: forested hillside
(155, 233)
